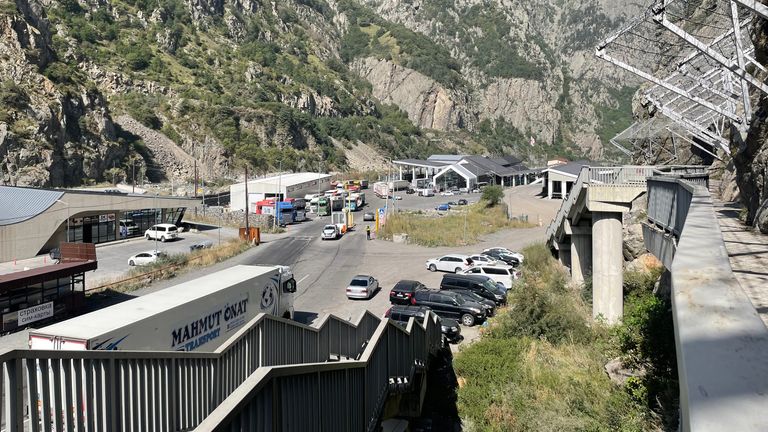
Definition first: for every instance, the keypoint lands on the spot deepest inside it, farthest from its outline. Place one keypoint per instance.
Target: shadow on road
(304, 317)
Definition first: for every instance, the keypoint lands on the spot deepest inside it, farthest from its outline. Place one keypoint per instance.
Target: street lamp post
(277, 197)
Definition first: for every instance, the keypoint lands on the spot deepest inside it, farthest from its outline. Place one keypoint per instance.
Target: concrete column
(564, 254)
(549, 188)
(413, 176)
(581, 253)
(607, 257)
(514, 181)
(401, 172)
(502, 182)
(525, 179)
(563, 188)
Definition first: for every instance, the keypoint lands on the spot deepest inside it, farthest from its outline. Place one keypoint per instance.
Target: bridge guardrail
(163, 391)
(270, 398)
(721, 342)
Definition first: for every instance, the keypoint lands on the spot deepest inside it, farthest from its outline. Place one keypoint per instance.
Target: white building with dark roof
(442, 172)
(290, 185)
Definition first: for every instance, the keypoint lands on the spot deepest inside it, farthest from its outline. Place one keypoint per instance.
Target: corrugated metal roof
(19, 204)
(421, 163)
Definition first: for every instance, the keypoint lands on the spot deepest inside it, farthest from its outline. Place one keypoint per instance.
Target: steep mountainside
(294, 84)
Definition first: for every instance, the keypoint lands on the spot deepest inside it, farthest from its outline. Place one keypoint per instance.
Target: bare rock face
(526, 104)
(619, 374)
(427, 103)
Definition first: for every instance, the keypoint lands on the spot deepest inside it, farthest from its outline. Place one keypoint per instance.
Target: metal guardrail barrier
(344, 396)
(162, 391)
(668, 203)
(721, 342)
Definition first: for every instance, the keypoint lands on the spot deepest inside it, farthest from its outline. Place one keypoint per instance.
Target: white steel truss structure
(698, 61)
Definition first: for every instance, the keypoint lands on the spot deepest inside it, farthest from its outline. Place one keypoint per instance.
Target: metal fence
(621, 176)
(160, 391)
(669, 199)
(344, 396)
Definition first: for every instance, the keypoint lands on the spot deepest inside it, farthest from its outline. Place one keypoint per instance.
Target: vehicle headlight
(475, 310)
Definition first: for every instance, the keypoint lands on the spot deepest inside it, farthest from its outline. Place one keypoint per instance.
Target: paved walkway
(748, 251)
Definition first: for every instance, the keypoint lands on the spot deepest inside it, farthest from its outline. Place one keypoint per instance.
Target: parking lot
(416, 202)
(324, 268)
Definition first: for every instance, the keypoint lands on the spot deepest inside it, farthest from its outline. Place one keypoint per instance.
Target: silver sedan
(362, 287)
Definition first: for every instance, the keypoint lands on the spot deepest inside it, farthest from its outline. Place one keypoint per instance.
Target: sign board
(35, 313)
(102, 218)
(382, 216)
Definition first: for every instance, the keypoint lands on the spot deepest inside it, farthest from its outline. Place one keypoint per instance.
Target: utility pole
(247, 227)
(195, 178)
(277, 196)
(133, 176)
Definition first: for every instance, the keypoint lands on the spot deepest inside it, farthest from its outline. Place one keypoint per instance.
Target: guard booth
(44, 294)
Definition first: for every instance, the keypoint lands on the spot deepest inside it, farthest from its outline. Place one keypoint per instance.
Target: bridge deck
(748, 253)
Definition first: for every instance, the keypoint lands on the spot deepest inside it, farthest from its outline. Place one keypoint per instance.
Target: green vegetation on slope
(369, 35)
(539, 366)
(241, 89)
(614, 120)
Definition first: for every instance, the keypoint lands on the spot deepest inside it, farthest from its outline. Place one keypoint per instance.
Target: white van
(162, 232)
(128, 228)
(504, 274)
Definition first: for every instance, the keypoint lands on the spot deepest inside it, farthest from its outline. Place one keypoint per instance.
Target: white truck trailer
(198, 315)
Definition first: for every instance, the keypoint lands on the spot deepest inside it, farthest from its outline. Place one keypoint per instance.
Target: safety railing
(163, 391)
(568, 202)
(721, 342)
(621, 175)
(668, 203)
(344, 396)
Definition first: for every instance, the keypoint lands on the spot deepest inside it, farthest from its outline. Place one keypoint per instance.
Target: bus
(337, 203)
(355, 201)
(323, 206)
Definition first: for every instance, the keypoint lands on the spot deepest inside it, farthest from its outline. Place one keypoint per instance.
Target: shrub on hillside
(543, 306)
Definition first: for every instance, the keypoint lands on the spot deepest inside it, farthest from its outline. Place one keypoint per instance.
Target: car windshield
(329, 227)
(492, 287)
(359, 282)
(459, 300)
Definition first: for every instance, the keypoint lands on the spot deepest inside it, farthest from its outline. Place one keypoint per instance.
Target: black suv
(481, 285)
(447, 304)
(401, 314)
(403, 291)
(501, 256)
(488, 305)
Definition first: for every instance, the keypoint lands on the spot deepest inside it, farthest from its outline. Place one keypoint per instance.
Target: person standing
(368, 232)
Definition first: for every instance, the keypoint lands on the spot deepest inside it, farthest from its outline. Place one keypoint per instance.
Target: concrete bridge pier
(581, 253)
(564, 253)
(607, 266)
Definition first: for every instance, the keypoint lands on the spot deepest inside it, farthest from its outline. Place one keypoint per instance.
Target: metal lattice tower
(698, 61)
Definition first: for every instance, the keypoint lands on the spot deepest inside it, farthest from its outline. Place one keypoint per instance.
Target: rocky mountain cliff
(296, 83)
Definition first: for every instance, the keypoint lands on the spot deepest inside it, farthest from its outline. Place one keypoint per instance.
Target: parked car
(483, 260)
(397, 198)
(410, 191)
(330, 232)
(451, 203)
(426, 192)
(448, 304)
(446, 193)
(202, 244)
(443, 207)
(162, 232)
(403, 291)
(462, 202)
(488, 305)
(503, 257)
(478, 284)
(517, 255)
(362, 287)
(369, 216)
(144, 258)
(401, 315)
(450, 263)
(504, 274)
(128, 228)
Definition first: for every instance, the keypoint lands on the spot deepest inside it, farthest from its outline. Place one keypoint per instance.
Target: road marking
(302, 279)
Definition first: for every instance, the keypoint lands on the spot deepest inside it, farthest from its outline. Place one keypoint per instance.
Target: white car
(362, 287)
(504, 274)
(446, 193)
(516, 255)
(331, 232)
(453, 263)
(483, 260)
(162, 232)
(144, 258)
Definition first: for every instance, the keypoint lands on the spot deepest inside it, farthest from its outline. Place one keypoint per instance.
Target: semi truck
(299, 209)
(381, 189)
(199, 315)
(323, 206)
